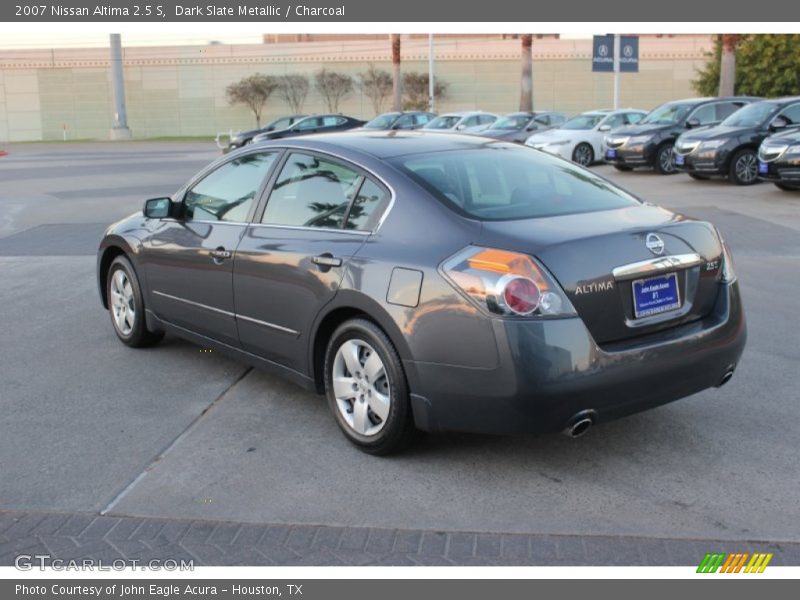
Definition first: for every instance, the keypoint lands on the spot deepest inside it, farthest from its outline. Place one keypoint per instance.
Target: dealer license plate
(656, 295)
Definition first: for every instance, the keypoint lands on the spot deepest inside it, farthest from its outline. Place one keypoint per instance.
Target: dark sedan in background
(650, 142)
(779, 160)
(518, 126)
(245, 137)
(312, 124)
(730, 149)
(400, 120)
(431, 281)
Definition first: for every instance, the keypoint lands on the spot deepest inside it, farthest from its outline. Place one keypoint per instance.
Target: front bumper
(709, 162)
(640, 155)
(783, 170)
(551, 370)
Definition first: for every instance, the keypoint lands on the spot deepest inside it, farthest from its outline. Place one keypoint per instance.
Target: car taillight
(506, 283)
(728, 274)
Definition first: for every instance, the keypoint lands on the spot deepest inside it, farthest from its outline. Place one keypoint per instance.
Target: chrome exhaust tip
(725, 378)
(580, 424)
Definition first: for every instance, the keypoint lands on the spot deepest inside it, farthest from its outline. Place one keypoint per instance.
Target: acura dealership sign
(603, 54)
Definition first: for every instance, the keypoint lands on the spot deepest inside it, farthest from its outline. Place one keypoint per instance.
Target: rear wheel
(366, 388)
(665, 160)
(744, 168)
(583, 154)
(786, 187)
(699, 177)
(623, 168)
(126, 305)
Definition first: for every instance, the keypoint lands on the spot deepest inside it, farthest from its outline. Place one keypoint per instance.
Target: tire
(743, 169)
(623, 168)
(126, 305)
(375, 415)
(786, 187)
(665, 160)
(699, 177)
(583, 154)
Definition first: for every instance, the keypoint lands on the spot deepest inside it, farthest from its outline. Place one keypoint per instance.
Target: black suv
(779, 160)
(649, 143)
(730, 148)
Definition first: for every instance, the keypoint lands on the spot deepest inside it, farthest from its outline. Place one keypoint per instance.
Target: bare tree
(526, 75)
(727, 64)
(376, 84)
(416, 90)
(333, 87)
(397, 84)
(253, 92)
(293, 90)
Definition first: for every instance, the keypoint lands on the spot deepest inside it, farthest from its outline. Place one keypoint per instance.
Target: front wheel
(665, 160)
(744, 168)
(126, 305)
(583, 154)
(366, 388)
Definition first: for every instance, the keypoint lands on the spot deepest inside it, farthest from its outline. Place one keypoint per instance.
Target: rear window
(503, 182)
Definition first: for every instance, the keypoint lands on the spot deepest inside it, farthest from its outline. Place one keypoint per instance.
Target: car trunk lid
(597, 257)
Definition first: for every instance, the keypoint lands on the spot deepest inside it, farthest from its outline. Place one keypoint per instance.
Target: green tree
(253, 92)
(766, 65)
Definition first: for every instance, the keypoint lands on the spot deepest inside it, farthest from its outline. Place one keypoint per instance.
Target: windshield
(752, 115)
(500, 182)
(666, 114)
(511, 123)
(443, 122)
(583, 122)
(382, 121)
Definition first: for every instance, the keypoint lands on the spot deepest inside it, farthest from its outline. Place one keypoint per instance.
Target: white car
(581, 138)
(465, 122)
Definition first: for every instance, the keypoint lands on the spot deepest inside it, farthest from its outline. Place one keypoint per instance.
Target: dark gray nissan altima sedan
(431, 282)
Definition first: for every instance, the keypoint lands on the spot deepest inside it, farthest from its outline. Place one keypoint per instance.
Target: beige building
(47, 94)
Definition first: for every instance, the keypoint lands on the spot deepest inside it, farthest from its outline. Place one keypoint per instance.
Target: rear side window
(705, 114)
(508, 183)
(726, 109)
(312, 191)
(370, 204)
(792, 113)
(228, 192)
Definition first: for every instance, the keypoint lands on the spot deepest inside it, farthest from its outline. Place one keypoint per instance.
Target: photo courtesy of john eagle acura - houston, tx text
(431, 282)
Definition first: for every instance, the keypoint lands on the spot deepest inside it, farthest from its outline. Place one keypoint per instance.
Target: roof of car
(384, 144)
(712, 99)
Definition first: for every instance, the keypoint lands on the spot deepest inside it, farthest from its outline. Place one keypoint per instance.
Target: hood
(551, 135)
(501, 134)
(713, 133)
(646, 129)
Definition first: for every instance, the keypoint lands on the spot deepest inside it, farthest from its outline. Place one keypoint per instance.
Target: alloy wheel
(583, 155)
(666, 160)
(361, 387)
(123, 305)
(746, 168)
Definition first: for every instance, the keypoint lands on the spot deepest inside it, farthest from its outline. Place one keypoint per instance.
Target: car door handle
(220, 254)
(327, 260)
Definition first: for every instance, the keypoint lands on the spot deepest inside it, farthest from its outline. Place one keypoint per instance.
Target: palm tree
(397, 103)
(727, 64)
(526, 77)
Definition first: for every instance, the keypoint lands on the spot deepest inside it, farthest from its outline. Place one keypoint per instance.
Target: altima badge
(654, 243)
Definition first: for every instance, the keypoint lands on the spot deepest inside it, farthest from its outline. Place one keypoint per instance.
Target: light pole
(431, 96)
(616, 71)
(119, 131)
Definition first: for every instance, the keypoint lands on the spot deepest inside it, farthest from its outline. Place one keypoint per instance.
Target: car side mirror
(461, 127)
(604, 128)
(157, 208)
(692, 123)
(533, 127)
(778, 122)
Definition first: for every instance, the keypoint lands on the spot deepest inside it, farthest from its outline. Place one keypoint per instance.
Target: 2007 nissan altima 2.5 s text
(431, 282)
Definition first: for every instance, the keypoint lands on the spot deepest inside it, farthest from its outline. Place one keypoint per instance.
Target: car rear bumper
(551, 370)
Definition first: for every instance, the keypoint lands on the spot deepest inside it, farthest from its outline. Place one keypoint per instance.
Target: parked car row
(743, 138)
(703, 137)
